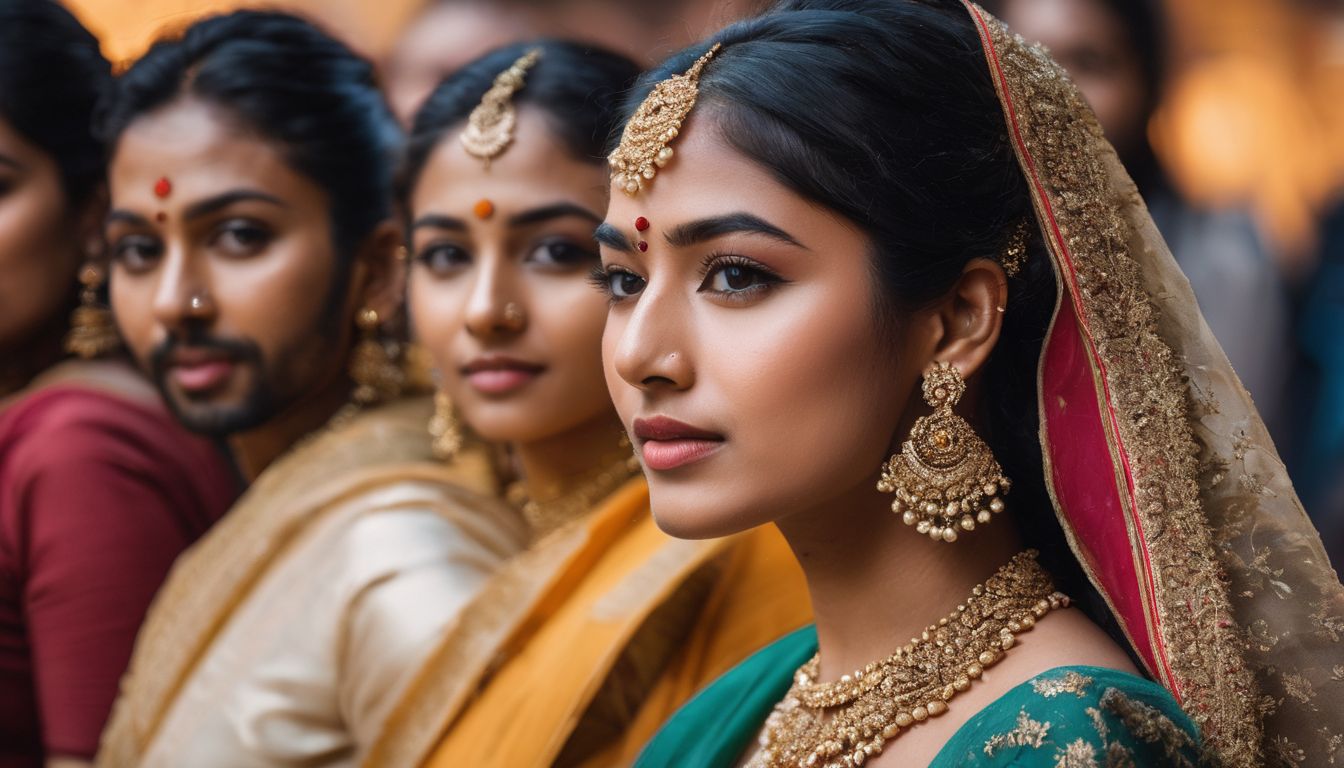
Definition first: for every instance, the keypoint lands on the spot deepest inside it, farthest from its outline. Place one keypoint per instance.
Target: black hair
(51, 78)
(291, 83)
(884, 112)
(580, 88)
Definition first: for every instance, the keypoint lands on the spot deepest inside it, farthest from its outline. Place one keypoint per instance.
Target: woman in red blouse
(100, 490)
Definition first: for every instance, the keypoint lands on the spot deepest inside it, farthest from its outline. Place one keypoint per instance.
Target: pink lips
(499, 375)
(668, 444)
(197, 372)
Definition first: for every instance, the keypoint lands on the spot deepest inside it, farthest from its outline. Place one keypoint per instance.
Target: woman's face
(224, 271)
(741, 348)
(499, 288)
(39, 249)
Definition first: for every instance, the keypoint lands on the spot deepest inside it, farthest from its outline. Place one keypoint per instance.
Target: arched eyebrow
(700, 230)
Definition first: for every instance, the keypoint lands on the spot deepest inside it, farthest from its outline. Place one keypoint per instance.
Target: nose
(649, 354)
(183, 297)
(494, 309)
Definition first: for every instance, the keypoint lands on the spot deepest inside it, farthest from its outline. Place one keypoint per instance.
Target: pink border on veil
(1089, 474)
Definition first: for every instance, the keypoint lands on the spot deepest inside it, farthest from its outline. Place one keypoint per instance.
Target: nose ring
(513, 315)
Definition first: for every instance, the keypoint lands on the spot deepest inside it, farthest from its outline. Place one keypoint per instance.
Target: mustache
(243, 350)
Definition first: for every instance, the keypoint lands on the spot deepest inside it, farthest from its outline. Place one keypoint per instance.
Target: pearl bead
(996, 505)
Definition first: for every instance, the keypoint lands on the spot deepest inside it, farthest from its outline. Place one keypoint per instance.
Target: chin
(682, 513)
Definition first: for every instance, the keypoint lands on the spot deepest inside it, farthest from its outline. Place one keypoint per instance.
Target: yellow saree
(579, 649)
(282, 637)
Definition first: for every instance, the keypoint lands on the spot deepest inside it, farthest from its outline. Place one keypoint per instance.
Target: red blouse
(98, 496)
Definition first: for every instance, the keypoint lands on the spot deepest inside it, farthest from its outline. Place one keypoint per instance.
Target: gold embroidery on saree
(1150, 725)
(1078, 754)
(1071, 682)
(1028, 733)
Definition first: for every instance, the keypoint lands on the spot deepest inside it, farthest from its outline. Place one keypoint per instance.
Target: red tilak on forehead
(163, 187)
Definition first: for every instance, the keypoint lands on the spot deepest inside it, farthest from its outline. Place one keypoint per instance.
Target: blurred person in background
(100, 489)
(255, 274)
(1115, 50)
(1320, 452)
(448, 33)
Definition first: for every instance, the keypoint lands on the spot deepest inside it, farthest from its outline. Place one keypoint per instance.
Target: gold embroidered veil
(1194, 536)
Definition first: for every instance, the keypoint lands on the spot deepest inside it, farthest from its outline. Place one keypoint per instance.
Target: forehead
(203, 150)
(708, 177)
(536, 169)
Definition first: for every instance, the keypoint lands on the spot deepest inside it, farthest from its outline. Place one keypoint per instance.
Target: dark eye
(137, 253)
(242, 238)
(560, 253)
(735, 276)
(617, 283)
(442, 258)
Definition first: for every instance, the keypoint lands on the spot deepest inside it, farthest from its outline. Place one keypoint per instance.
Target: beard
(258, 404)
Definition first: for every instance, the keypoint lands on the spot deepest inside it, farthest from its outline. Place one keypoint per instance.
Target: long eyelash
(600, 279)
(714, 260)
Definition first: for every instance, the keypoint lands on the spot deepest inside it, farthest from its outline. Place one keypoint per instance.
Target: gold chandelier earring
(945, 477)
(374, 368)
(93, 332)
(444, 428)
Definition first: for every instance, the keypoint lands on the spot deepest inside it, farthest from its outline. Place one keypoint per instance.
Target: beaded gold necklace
(844, 723)
(552, 508)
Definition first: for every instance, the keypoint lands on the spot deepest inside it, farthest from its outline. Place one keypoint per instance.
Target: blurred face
(741, 349)
(442, 39)
(225, 278)
(499, 288)
(39, 252)
(1087, 39)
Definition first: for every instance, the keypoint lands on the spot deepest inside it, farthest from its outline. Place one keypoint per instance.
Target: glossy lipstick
(499, 375)
(666, 443)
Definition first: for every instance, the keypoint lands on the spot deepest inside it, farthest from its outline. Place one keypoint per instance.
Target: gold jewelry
(1014, 255)
(490, 126)
(944, 477)
(373, 363)
(514, 315)
(844, 723)
(197, 302)
(93, 332)
(444, 428)
(644, 143)
(546, 512)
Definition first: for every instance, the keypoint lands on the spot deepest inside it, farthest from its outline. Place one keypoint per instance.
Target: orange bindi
(483, 209)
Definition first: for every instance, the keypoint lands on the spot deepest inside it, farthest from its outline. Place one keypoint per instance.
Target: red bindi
(163, 187)
(160, 217)
(641, 224)
(643, 246)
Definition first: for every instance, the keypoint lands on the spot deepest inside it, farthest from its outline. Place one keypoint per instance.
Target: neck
(572, 462)
(255, 449)
(875, 582)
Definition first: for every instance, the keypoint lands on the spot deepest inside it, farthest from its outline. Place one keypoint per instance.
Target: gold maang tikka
(491, 124)
(644, 143)
(945, 477)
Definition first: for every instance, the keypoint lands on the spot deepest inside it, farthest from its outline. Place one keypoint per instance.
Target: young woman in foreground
(877, 279)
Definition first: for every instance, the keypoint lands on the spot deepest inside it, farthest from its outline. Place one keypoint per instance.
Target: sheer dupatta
(1162, 474)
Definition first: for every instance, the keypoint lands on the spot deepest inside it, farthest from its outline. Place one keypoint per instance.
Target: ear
(380, 272)
(970, 318)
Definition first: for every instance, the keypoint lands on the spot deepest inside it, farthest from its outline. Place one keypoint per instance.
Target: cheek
(436, 314)
(37, 261)
(281, 293)
(571, 318)
(132, 300)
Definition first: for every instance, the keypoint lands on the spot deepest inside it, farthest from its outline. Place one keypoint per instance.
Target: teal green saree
(1067, 717)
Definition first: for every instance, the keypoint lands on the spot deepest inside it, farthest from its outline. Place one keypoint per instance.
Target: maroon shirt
(98, 496)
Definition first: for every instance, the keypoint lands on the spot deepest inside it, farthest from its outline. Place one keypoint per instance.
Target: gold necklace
(844, 723)
(544, 515)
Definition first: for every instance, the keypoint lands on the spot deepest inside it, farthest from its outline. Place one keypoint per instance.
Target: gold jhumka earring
(945, 477)
(444, 428)
(490, 126)
(93, 332)
(644, 143)
(373, 363)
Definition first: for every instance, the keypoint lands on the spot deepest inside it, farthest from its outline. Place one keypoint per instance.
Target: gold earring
(93, 332)
(444, 427)
(373, 364)
(945, 477)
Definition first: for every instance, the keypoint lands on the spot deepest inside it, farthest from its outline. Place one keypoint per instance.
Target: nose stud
(513, 315)
(197, 302)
